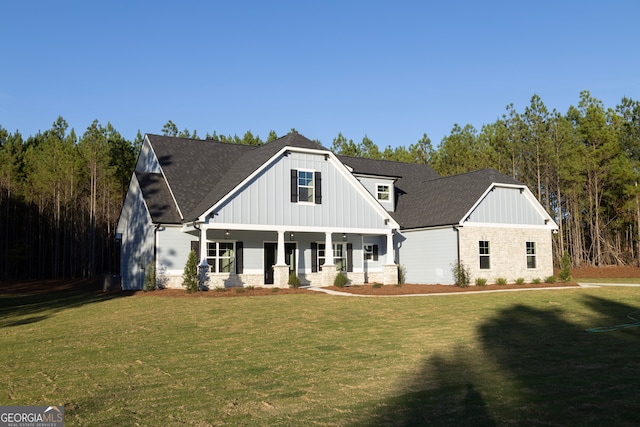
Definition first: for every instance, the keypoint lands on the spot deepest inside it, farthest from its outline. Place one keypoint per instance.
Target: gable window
(383, 192)
(485, 254)
(306, 186)
(531, 254)
(221, 256)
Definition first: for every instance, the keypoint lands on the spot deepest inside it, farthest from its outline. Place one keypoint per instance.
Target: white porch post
(328, 268)
(390, 268)
(281, 269)
(203, 244)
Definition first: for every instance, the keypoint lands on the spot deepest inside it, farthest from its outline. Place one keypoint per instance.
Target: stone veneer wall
(508, 253)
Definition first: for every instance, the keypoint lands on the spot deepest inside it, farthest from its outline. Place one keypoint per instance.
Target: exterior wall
(173, 247)
(137, 233)
(147, 160)
(371, 184)
(427, 255)
(505, 205)
(266, 199)
(508, 258)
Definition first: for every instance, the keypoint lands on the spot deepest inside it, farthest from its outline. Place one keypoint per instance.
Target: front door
(271, 257)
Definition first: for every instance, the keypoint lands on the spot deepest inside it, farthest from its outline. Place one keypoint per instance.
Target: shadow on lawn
(537, 368)
(16, 310)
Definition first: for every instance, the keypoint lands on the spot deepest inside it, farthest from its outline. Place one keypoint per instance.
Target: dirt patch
(612, 272)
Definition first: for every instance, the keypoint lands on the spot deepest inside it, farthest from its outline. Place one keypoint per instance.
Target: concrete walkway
(550, 288)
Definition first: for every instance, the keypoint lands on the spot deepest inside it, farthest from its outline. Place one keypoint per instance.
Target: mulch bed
(95, 285)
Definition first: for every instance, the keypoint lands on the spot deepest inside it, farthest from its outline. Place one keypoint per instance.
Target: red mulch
(95, 285)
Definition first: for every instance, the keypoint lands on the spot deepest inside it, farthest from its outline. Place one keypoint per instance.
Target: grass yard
(513, 358)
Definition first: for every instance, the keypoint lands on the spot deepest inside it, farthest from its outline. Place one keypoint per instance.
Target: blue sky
(391, 70)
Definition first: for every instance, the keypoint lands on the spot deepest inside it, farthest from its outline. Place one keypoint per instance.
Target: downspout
(457, 229)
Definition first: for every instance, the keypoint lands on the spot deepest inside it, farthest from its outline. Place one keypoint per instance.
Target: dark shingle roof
(444, 201)
(158, 198)
(201, 172)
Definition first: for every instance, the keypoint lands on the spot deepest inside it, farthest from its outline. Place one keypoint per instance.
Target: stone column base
(281, 276)
(391, 274)
(328, 275)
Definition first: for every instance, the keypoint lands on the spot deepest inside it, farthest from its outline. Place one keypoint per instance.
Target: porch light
(291, 237)
(227, 234)
(344, 237)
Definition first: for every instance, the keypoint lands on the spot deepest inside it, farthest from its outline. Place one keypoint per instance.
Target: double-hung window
(306, 186)
(383, 192)
(339, 256)
(531, 254)
(484, 254)
(221, 256)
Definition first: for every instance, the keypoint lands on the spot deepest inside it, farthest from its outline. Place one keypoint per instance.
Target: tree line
(61, 194)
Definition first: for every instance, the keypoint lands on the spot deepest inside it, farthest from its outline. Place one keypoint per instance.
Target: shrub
(565, 268)
(150, 277)
(376, 285)
(520, 281)
(275, 289)
(294, 280)
(340, 281)
(461, 275)
(481, 281)
(402, 274)
(501, 281)
(250, 287)
(220, 289)
(239, 290)
(537, 281)
(550, 279)
(190, 275)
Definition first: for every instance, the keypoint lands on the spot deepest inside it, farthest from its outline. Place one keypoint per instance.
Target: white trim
(502, 225)
(313, 185)
(389, 192)
(288, 228)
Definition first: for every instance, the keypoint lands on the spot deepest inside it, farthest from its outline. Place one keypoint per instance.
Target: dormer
(381, 187)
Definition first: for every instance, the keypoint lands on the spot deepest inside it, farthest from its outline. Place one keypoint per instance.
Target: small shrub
(565, 268)
(294, 280)
(150, 277)
(402, 274)
(275, 289)
(480, 281)
(537, 281)
(190, 275)
(520, 281)
(220, 289)
(376, 285)
(250, 287)
(501, 281)
(461, 275)
(550, 279)
(239, 290)
(340, 281)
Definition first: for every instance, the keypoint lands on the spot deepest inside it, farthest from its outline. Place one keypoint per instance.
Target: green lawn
(512, 358)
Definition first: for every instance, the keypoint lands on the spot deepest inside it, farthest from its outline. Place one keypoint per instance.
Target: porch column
(328, 268)
(390, 268)
(203, 244)
(281, 269)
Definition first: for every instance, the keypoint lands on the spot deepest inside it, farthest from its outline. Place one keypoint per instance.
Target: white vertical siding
(173, 249)
(265, 200)
(147, 160)
(506, 206)
(371, 184)
(427, 255)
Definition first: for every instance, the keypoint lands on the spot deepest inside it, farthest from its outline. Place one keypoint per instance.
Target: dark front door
(271, 257)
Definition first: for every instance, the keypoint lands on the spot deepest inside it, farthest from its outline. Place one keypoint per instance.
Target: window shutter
(195, 246)
(318, 185)
(314, 257)
(239, 257)
(294, 186)
(349, 257)
(375, 252)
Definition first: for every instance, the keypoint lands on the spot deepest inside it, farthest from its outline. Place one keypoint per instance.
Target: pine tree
(190, 275)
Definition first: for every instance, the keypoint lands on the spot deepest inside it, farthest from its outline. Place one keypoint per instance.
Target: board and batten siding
(427, 255)
(371, 184)
(147, 160)
(173, 249)
(137, 238)
(266, 199)
(506, 206)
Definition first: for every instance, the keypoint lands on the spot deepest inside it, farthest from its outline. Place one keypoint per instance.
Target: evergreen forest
(61, 192)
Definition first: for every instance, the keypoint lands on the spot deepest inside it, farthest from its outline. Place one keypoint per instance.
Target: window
(306, 186)
(339, 256)
(383, 192)
(221, 257)
(371, 252)
(485, 254)
(531, 254)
